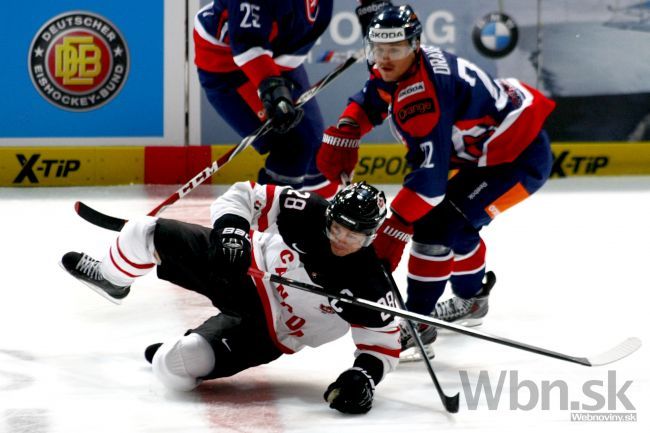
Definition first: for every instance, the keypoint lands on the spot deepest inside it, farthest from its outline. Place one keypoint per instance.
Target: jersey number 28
(298, 202)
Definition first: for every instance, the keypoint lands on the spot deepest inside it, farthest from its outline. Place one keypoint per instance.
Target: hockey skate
(410, 351)
(150, 351)
(467, 312)
(86, 269)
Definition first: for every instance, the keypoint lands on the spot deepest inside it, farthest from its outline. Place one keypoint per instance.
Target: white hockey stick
(622, 350)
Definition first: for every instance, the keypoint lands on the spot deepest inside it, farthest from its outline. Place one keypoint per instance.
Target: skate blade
(468, 323)
(412, 354)
(95, 289)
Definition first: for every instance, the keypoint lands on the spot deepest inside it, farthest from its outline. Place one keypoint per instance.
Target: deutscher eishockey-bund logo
(78, 61)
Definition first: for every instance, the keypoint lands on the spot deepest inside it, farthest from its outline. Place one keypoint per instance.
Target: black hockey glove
(275, 93)
(230, 248)
(367, 10)
(352, 392)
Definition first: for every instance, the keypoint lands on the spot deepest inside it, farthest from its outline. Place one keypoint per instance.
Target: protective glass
(388, 52)
(336, 232)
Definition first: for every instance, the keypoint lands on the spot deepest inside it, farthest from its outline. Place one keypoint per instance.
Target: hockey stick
(450, 403)
(332, 56)
(113, 223)
(620, 351)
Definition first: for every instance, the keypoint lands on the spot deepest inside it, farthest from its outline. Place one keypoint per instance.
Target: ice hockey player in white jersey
(273, 229)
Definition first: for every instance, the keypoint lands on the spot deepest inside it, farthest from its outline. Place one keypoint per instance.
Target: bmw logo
(495, 35)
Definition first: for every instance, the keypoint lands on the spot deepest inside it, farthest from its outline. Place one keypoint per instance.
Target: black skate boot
(150, 351)
(86, 269)
(467, 312)
(410, 351)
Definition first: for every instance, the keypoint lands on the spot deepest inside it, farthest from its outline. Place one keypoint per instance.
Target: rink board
(379, 163)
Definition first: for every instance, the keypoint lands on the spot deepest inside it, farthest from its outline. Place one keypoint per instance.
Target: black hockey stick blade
(99, 219)
(450, 402)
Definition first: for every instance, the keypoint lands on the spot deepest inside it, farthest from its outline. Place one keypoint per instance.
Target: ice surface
(571, 262)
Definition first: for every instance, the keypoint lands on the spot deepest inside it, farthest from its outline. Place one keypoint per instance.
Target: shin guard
(468, 272)
(429, 268)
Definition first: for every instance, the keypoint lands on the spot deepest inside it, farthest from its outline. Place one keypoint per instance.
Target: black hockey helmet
(358, 207)
(394, 24)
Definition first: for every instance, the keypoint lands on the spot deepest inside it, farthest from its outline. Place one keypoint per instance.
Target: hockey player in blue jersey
(454, 119)
(249, 57)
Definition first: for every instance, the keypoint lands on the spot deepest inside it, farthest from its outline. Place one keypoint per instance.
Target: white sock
(131, 255)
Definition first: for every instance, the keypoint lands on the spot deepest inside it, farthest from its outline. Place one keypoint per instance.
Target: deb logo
(495, 35)
(78, 61)
(33, 164)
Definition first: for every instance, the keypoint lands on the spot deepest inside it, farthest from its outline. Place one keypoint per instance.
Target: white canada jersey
(288, 238)
(297, 318)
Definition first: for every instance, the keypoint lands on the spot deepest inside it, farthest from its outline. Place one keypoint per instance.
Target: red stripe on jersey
(379, 349)
(472, 262)
(409, 205)
(110, 254)
(248, 93)
(438, 269)
(261, 291)
(259, 68)
(274, 31)
(356, 113)
(130, 263)
(263, 222)
(223, 19)
(212, 58)
(511, 142)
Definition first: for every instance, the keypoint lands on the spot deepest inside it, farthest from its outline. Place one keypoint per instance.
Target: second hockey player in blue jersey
(453, 117)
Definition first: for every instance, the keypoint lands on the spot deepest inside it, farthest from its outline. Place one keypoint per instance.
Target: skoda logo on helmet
(386, 35)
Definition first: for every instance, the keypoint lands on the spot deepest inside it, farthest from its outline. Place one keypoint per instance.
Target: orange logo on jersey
(419, 117)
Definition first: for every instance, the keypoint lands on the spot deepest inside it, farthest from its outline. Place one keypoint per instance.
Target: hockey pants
(446, 244)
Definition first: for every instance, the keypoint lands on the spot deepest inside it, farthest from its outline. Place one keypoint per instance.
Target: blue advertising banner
(82, 69)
